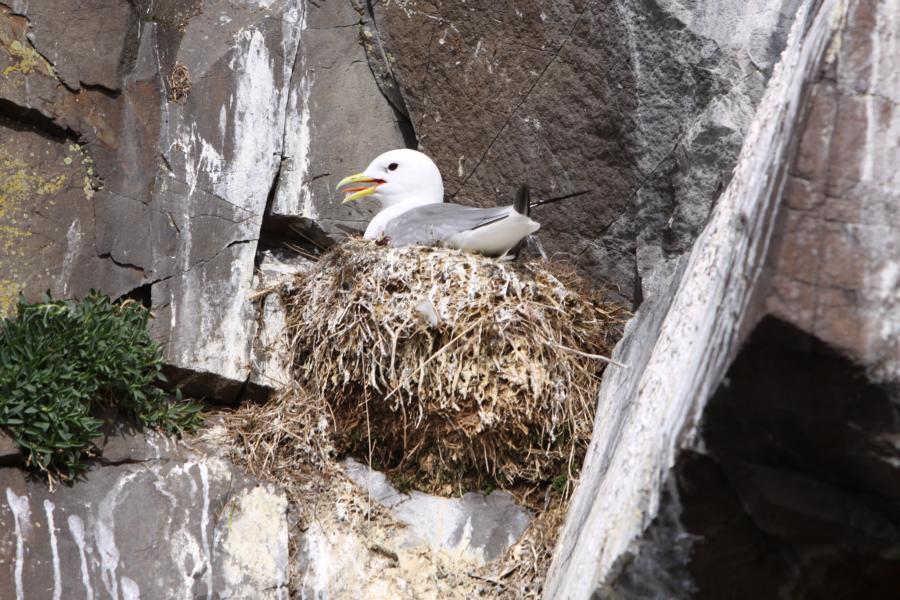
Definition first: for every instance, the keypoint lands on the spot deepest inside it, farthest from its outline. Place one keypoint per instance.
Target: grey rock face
(92, 45)
(184, 183)
(835, 267)
(766, 374)
(148, 148)
(195, 122)
(422, 546)
(338, 121)
(161, 523)
(477, 526)
(645, 102)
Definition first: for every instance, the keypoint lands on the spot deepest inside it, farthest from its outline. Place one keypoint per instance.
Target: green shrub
(64, 362)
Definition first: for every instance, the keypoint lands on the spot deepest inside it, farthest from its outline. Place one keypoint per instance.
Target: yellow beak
(355, 193)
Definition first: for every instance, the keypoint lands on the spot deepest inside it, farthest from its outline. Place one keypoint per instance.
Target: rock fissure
(38, 120)
(118, 263)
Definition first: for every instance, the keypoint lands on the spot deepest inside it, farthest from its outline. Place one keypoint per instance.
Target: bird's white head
(396, 177)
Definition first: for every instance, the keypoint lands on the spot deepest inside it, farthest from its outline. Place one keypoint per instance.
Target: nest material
(179, 84)
(446, 368)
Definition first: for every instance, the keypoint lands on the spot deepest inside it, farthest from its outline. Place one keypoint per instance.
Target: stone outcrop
(476, 526)
(153, 520)
(143, 153)
(368, 540)
(202, 128)
(751, 446)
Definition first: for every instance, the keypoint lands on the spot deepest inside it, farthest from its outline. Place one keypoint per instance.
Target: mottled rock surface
(364, 539)
(766, 375)
(644, 102)
(477, 526)
(145, 143)
(154, 520)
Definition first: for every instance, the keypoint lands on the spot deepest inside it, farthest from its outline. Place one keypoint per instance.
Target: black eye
(393, 167)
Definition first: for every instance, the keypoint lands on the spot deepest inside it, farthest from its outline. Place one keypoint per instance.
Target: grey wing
(433, 223)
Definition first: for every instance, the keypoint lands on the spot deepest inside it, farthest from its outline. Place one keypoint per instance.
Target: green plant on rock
(63, 362)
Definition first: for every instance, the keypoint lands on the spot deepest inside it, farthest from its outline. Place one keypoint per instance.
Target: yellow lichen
(9, 293)
(25, 59)
(18, 186)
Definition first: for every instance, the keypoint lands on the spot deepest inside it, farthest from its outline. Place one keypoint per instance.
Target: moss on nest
(446, 369)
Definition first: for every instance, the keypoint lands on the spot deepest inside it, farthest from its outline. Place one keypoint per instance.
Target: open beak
(358, 191)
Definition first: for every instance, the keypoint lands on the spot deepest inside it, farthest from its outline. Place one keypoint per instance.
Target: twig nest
(450, 369)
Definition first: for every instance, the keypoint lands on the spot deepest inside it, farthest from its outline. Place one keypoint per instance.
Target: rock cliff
(744, 199)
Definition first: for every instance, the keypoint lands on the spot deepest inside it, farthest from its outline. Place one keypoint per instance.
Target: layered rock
(154, 520)
(142, 152)
(750, 450)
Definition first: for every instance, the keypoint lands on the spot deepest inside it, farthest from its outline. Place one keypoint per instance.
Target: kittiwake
(411, 192)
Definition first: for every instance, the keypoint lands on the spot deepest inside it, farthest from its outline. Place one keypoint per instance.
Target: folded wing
(435, 224)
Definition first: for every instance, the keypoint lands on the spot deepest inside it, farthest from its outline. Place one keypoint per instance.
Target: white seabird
(411, 192)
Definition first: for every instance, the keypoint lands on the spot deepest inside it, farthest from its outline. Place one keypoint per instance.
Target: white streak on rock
(204, 525)
(872, 106)
(105, 536)
(76, 527)
(205, 166)
(73, 247)
(54, 550)
(186, 555)
(223, 122)
(255, 133)
(210, 161)
(130, 589)
(225, 333)
(302, 151)
(318, 551)
(22, 519)
(293, 195)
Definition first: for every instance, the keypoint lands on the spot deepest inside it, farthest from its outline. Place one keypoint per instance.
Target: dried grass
(447, 370)
(289, 434)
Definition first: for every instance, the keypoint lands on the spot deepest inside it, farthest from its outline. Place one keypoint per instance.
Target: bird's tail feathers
(522, 203)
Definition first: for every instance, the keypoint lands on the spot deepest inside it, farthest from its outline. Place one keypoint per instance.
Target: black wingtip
(560, 198)
(522, 203)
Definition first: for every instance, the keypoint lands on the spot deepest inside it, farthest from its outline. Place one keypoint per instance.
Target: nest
(447, 369)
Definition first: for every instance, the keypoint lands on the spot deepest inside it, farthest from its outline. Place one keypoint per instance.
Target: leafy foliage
(62, 362)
